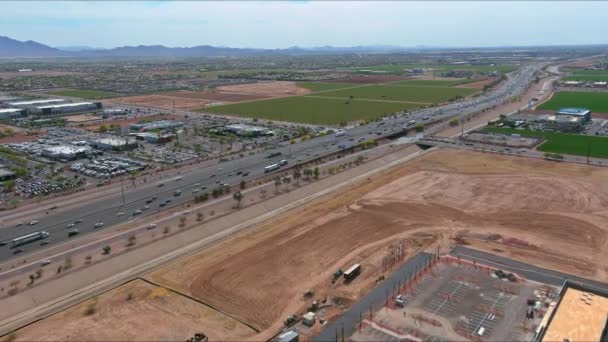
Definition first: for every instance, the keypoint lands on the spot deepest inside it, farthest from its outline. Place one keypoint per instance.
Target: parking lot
(455, 301)
(107, 167)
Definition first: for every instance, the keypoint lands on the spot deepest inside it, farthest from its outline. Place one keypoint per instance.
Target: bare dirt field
(21, 134)
(266, 89)
(217, 96)
(162, 101)
(372, 79)
(534, 209)
(82, 118)
(136, 311)
(477, 84)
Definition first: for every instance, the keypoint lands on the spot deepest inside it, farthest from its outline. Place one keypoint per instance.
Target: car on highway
(71, 225)
(44, 243)
(245, 174)
(137, 212)
(45, 262)
(194, 191)
(78, 221)
(177, 192)
(220, 169)
(178, 179)
(98, 224)
(33, 222)
(19, 224)
(120, 213)
(239, 173)
(149, 200)
(145, 207)
(151, 226)
(196, 184)
(162, 204)
(160, 185)
(17, 251)
(73, 232)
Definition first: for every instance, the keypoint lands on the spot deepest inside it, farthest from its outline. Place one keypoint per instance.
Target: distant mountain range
(11, 48)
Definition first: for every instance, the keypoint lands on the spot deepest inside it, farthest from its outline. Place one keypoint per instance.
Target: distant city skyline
(281, 24)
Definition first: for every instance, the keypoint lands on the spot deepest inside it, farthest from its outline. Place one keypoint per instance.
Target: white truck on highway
(271, 168)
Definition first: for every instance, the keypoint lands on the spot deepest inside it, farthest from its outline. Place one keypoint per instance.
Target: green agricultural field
(582, 72)
(596, 102)
(398, 68)
(304, 109)
(597, 78)
(85, 94)
(563, 143)
(322, 86)
(433, 83)
(414, 94)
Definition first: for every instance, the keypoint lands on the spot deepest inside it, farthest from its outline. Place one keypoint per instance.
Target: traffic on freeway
(68, 223)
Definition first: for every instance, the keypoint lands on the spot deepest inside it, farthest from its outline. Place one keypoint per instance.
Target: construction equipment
(336, 275)
(290, 320)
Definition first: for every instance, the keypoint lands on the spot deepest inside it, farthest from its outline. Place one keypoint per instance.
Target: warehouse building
(583, 113)
(116, 111)
(66, 152)
(30, 105)
(12, 113)
(67, 108)
(113, 144)
(247, 130)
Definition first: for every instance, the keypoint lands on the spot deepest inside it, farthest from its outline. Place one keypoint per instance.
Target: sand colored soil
(371, 79)
(477, 84)
(549, 214)
(127, 122)
(266, 89)
(151, 314)
(162, 101)
(217, 96)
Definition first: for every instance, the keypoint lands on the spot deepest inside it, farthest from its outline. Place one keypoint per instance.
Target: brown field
(260, 276)
(161, 101)
(266, 89)
(477, 84)
(547, 213)
(127, 122)
(217, 96)
(375, 79)
(82, 118)
(151, 314)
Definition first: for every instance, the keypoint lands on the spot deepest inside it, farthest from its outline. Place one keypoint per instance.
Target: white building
(114, 144)
(67, 108)
(65, 152)
(11, 113)
(34, 103)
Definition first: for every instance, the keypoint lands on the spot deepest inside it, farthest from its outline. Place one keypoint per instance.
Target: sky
(281, 24)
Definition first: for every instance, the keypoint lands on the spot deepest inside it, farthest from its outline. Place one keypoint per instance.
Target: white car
(145, 207)
(98, 224)
(33, 222)
(71, 225)
(195, 191)
(151, 226)
(120, 213)
(45, 262)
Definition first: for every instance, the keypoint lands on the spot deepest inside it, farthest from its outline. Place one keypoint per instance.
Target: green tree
(198, 148)
(277, 183)
(199, 217)
(297, 174)
(102, 129)
(9, 185)
(419, 128)
(316, 173)
(106, 250)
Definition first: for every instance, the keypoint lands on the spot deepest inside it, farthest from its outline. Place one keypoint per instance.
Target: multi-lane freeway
(111, 211)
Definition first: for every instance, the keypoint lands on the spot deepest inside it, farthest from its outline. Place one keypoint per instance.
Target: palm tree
(237, 196)
(277, 183)
(286, 180)
(297, 174)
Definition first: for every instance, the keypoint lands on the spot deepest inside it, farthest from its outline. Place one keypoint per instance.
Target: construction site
(548, 214)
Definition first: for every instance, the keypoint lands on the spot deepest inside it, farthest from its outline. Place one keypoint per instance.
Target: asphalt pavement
(107, 210)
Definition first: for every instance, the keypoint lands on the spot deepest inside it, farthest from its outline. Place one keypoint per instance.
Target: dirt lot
(82, 118)
(217, 96)
(534, 205)
(136, 311)
(162, 101)
(127, 122)
(266, 89)
(375, 79)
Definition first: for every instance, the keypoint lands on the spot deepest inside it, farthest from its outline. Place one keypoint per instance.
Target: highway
(107, 210)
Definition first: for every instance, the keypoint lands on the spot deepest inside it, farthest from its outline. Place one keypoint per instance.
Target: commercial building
(66, 152)
(114, 144)
(583, 113)
(12, 113)
(67, 108)
(6, 174)
(247, 130)
(153, 138)
(35, 103)
(156, 125)
(116, 111)
(581, 314)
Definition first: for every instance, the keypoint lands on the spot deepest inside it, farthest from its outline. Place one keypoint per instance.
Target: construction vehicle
(336, 275)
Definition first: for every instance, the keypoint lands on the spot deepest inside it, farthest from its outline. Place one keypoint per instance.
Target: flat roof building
(575, 112)
(580, 315)
(35, 103)
(114, 144)
(6, 174)
(65, 152)
(66, 108)
(162, 124)
(12, 113)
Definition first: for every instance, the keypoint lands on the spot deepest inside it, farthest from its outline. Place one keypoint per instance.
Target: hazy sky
(275, 24)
